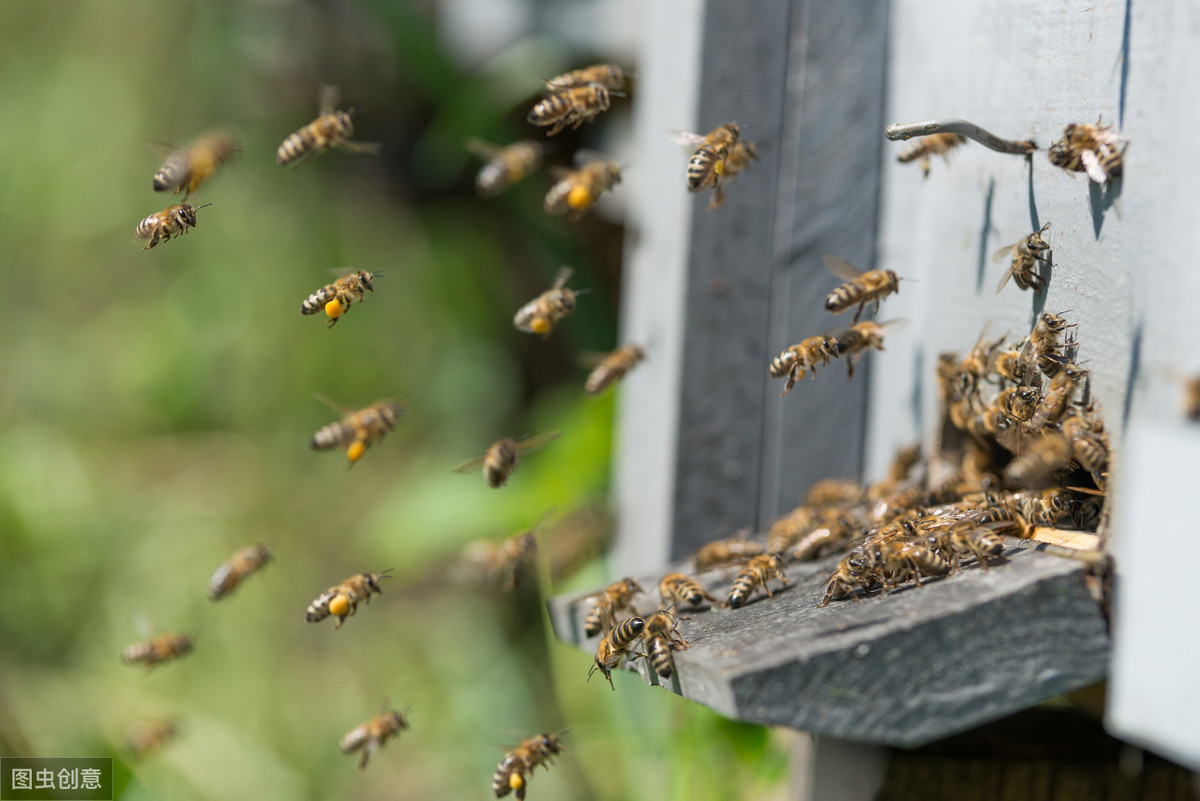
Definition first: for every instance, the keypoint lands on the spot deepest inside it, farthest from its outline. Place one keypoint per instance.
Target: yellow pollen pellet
(356, 450)
(580, 197)
(333, 309)
(339, 606)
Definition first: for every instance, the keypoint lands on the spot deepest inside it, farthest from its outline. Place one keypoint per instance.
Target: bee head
(343, 122)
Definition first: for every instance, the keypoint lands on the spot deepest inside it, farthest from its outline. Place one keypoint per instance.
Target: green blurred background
(157, 408)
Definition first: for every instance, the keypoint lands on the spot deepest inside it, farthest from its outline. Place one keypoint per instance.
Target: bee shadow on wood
(1125, 38)
(984, 231)
(1135, 364)
(1102, 198)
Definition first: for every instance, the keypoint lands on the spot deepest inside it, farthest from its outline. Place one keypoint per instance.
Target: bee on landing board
(576, 191)
(341, 600)
(733, 549)
(573, 106)
(1093, 149)
(230, 574)
(543, 313)
(500, 460)
(612, 368)
(335, 299)
(801, 358)
(171, 221)
(609, 76)
(677, 589)
(661, 636)
(757, 572)
(357, 430)
(1027, 258)
(369, 737)
(516, 769)
(710, 157)
(162, 648)
(939, 144)
(332, 128)
(860, 288)
(184, 169)
(614, 598)
(617, 646)
(506, 165)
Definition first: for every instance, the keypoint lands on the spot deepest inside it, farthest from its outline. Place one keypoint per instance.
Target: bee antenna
(386, 573)
(615, 93)
(206, 205)
(583, 291)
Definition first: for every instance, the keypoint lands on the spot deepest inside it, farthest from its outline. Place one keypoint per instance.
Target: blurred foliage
(158, 407)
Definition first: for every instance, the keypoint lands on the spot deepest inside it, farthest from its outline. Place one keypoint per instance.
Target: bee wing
(685, 139)
(1003, 253)
(350, 146)
(163, 149)
(328, 99)
(471, 465)
(584, 157)
(337, 407)
(1091, 164)
(530, 444)
(840, 267)
(485, 150)
(590, 359)
(563, 276)
(1004, 278)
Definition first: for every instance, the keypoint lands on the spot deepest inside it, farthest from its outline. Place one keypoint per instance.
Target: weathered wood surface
(916, 666)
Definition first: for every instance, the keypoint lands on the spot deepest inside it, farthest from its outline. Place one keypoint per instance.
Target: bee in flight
(502, 563)
(573, 106)
(612, 368)
(148, 736)
(505, 165)
(860, 288)
(516, 769)
(804, 357)
(332, 128)
(860, 338)
(1027, 257)
(369, 737)
(171, 221)
(231, 573)
(709, 161)
(184, 169)
(162, 648)
(741, 156)
(543, 313)
(341, 601)
(609, 76)
(500, 459)
(357, 430)
(576, 191)
(1093, 149)
(938, 144)
(335, 298)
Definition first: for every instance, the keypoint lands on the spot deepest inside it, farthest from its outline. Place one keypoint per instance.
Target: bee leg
(859, 311)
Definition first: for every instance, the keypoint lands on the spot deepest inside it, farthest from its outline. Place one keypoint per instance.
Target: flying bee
(1044, 456)
(609, 76)
(860, 288)
(357, 430)
(612, 368)
(681, 590)
(859, 338)
(804, 357)
(576, 191)
(186, 168)
(149, 736)
(1027, 257)
(573, 106)
(1191, 398)
(734, 549)
(160, 649)
(543, 313)
(515, 770)
(1060, 392)
(331, 128)
(661, 635)
(740, 157)
(938, 144)
(1093, 149)
(369, 737)
(500, 460)
(341, 600)
(505, 166)
(171, 221)
(757, 573)
(709, 161)
(616, 646)
(503, 562)
(230, 574)
(612, 599)
(335, 299)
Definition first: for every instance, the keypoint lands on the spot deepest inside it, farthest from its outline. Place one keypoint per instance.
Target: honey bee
(612, 599)
(335, 298)
(860, 288)
(804, 357)
(616, 646)
(162, 648)
(612, 368)
(1018, 403)
(859, 338)
(1089, 444)
(1045, 507)
(1191, 398)
(938, 144)
(682, 590)
(855, 570)
(369, 737)
(707, 166)
(358, 430)
(576, 191)
(171, 221)
(331, 128)
(661, 636)
(757, 573)
(609, 76)
(1027, 257)
(835, 492)
(739, 159)
(500, 460)
(1044, 343)
(341, 601)
(1093, 149)
(516, 769)
(1051, 452)
(505, 166)
(543, 313)
(734, 549)
(902, 560)
(573, 106)
(230, 574)
(1060, 392)
(977, 541)
(1011, 365)
(186, 168)
(148, 736)
(503, 561)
